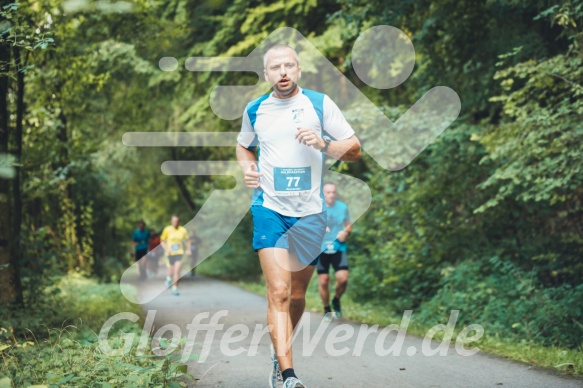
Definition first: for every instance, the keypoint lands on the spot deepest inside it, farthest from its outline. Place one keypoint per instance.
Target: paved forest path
(319, 370)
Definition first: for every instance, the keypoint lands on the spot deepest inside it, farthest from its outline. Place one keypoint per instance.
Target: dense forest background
(488, 219)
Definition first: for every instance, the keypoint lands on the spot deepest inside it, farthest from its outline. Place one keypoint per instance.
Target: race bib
(292, 181)
(175, 247)
(330, 249)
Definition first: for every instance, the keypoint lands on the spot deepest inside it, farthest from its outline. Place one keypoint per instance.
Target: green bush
(33, 352)
(61, 360)
(508, 303)
(70, 300)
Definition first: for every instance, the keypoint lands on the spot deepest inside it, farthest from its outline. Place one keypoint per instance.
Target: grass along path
(48, 346)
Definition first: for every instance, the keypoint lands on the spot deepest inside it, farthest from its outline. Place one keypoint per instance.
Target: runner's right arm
(248, 163)
(246, 145)
(163, 238)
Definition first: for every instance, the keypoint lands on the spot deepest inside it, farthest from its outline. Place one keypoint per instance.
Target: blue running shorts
(273, 230)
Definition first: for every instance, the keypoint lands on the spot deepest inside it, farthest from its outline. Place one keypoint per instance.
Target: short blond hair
(280, 47)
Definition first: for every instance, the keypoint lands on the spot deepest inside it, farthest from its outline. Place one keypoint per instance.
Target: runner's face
(282, 71)
(174, 221)
(330, 194)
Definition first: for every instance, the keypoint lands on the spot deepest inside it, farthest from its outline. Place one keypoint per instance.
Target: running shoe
(328, 316)
(275, 378)
(167, 283)
(336, 307)
(293, 382)
(175, 292)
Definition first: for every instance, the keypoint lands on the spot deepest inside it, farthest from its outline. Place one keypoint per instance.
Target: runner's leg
(176, 272)
(141, 259)
(155, 264)
(170, 271)
(299, 284)
(324, 288)
(341, 274)
(193, 262)
(305, 241)
(341, 282)
(278, 282)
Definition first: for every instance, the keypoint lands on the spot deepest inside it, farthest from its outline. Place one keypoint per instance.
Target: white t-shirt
(292, 172)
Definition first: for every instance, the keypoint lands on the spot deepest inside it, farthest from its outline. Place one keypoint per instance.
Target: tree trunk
(18, 143)
(9, 277)
(5, 67)
(74, 255)
(16, 184)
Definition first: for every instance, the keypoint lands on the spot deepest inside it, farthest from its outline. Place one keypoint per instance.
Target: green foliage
(236, 259)
(61, 360)
(419, 223)
(504, 181)
(508, 302)
(7, 163)
(20, 31)
(487, 219)
(31, 352)
(67, 300)
(537, 153)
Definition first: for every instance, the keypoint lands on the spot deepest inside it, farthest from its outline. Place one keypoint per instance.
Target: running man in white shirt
(294, 129)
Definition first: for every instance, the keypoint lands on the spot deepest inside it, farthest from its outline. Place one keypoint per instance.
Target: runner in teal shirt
(140, 239)
(334, 251)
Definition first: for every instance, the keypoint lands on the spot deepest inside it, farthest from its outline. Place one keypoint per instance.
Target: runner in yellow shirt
(174, 239)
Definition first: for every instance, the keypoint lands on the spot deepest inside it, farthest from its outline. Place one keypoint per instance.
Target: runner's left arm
(343, 234)
(346, 150)
(345, 145)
